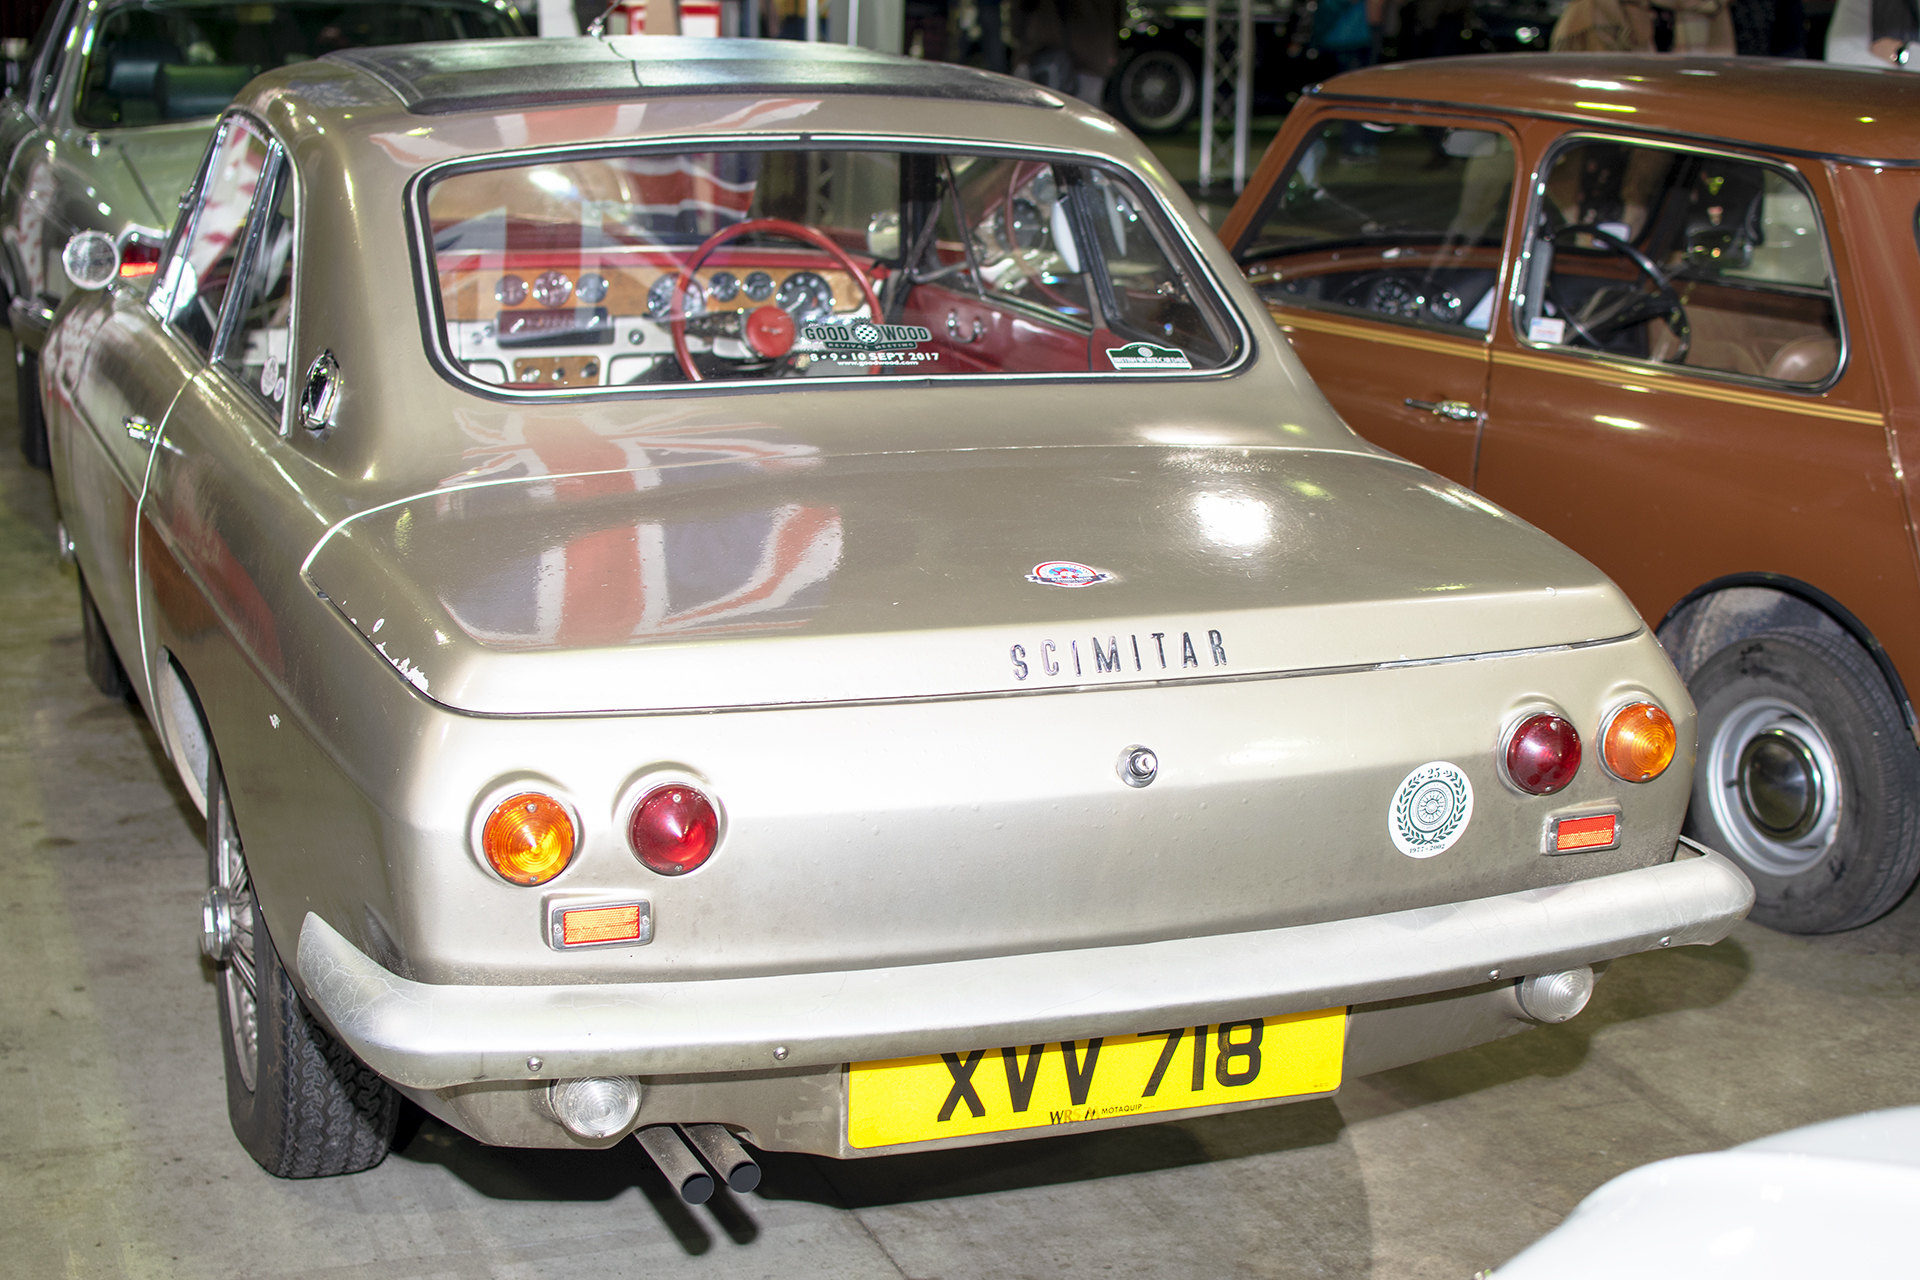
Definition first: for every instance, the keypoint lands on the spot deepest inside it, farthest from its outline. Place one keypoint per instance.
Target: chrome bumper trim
(430, 1036)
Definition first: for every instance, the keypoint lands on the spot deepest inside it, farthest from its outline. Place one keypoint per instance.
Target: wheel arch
(183, 727)
(1738, 605)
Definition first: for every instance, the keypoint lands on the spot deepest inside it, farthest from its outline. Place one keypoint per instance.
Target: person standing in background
(1875, 33)
(1635, 26)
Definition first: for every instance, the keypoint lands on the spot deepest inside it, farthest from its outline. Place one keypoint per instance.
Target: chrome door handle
(1457, 410)
(138, 428)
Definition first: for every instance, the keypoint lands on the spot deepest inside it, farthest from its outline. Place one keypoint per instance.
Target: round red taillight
(1543, 754)
(673, 829)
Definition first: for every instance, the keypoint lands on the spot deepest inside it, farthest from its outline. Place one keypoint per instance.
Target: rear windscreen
(674, 267)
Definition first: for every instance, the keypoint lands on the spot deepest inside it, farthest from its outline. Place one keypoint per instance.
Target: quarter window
(1399, 221)
(194, 281)
(256, 351)
(1685, 258)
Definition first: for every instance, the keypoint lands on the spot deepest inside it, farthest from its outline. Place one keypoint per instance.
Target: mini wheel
(301, 1104)
(1807, 777)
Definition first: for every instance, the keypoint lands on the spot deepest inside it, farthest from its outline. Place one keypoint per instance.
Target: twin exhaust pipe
(672, 1148)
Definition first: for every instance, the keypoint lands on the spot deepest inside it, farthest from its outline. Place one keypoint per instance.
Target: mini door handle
(1457, 410)
(138, 428)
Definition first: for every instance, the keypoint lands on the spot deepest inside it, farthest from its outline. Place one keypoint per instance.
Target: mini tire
(97, 651)
(33, 422)
(1808, 778)
(301, 1104)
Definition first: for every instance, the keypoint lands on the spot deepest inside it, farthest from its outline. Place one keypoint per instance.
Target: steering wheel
(1631, 308)
(768, 331)
(1017, 180)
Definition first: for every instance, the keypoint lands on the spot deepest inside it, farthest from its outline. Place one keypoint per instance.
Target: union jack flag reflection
(661, 540)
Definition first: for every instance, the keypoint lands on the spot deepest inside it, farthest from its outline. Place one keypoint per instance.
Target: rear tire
(301, 1104)
(96, 647)
(33, 422)
(1155, 92)
(1808, 778)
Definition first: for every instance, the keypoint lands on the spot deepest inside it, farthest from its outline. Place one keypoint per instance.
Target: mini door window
(1398, 221)
(1681, 257)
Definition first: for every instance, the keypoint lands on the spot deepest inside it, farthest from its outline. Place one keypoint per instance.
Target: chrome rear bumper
(431, 1036)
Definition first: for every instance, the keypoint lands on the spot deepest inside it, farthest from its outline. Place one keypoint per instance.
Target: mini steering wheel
(768, 331)
(1632, 308)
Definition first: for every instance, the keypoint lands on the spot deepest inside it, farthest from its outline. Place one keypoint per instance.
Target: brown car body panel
(1808, 486)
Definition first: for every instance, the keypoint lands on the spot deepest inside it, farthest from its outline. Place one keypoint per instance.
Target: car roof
(1805, 108)
(516, 75)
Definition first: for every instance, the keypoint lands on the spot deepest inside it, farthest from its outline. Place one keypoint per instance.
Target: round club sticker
(1430, 810)
(1066, 573)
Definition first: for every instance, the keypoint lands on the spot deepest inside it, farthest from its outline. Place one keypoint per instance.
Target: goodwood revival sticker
(1430, 809)
(1145, 355)
(1066, 573)
(864, 342)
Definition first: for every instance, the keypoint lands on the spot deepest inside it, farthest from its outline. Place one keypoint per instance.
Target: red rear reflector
(584, 925)
(133, 270)
(1571, 835)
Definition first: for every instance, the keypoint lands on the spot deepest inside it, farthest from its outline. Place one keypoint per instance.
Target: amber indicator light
(585, 925)
(1571, 835)
(1639, 742)
(528, 838)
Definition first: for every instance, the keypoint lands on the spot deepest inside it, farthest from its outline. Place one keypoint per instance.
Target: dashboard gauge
(1027, 223)
(660, 298)
(723, 286)
(805, 296)
(1395, 297)
(510, 292)
(759, 286)
(1447, 307)
(551, 289)
(592, 288)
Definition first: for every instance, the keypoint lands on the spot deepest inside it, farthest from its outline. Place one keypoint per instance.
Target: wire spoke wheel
(299, 1101)
(239, 975)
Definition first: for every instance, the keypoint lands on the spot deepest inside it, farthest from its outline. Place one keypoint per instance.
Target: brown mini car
(1661, 307)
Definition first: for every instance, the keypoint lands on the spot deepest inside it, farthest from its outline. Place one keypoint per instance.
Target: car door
(202, 553)
(1380, 254)
(1672, 395)
(131, 372)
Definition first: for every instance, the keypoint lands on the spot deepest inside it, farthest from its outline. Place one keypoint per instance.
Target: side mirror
(91, 259)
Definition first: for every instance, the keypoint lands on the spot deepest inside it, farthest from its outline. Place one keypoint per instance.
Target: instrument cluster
(805, 295)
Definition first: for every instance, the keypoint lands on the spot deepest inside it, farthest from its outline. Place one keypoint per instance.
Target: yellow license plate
(947, 1095)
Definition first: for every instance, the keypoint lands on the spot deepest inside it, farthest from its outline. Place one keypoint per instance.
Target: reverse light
(528, 838)
(596, 1107)
(1638, 742)
(673, 829)
(1543, 754)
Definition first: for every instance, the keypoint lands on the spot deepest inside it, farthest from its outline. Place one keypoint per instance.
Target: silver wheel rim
(1776, 793)
(1158, 89)
(239, 985)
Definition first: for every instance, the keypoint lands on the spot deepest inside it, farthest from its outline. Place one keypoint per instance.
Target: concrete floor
(116, 1160)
